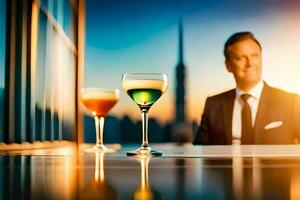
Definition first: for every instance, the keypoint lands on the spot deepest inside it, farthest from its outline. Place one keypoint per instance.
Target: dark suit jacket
(275, 106)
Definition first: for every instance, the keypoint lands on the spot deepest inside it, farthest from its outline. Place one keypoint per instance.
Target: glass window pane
(44, 3)
(64, 13)
(69, 20)
(40, 77)
(55, 88)
(2, 63)
(53, 7)
(69, 95)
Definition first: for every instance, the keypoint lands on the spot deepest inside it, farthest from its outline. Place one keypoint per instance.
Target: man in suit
(253, 112)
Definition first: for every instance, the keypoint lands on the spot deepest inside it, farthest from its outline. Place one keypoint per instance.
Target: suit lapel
(261, 113)
(227, 106)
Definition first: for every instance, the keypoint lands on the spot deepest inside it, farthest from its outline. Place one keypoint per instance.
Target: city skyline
(117, 42)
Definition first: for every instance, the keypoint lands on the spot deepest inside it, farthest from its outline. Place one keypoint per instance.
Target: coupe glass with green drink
(145, 89)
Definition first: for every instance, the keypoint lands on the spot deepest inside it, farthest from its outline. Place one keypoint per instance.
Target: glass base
(144, 151)
(100, 148)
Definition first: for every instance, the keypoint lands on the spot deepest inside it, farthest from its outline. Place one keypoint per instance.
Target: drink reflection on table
(145, 192)
(99, 188)
(246, 177)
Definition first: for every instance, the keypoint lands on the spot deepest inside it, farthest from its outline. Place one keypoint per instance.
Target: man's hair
(237, 37)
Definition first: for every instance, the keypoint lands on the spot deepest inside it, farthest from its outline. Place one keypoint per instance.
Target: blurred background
(40, 48)
(148, 36)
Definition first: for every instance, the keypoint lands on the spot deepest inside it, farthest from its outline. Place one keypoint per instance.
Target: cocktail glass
(145, 89)
(99, 101)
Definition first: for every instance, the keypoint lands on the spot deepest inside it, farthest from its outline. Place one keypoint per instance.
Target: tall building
(180, 81)
(182, 130)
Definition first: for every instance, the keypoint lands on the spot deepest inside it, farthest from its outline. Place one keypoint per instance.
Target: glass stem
(99, 123)
(145, 128)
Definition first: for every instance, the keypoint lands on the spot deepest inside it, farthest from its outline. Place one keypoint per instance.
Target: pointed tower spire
(180, 80)
(180, 42)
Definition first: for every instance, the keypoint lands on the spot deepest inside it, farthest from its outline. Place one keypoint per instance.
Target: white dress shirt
(253, 101)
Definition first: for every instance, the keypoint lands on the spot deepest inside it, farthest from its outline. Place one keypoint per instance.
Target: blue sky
(142, 36)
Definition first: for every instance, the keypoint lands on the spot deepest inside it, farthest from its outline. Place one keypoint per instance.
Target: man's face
(244, 63)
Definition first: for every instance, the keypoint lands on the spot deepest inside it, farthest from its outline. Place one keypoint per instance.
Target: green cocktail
(145, 89)
(145, 98)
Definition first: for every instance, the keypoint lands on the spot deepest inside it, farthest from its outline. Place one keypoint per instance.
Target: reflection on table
(144, 191)
(99, 187)
(181, 175)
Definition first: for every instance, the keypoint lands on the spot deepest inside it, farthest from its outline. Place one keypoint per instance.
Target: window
(2, 64)
(55, 72)
(40, 77)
